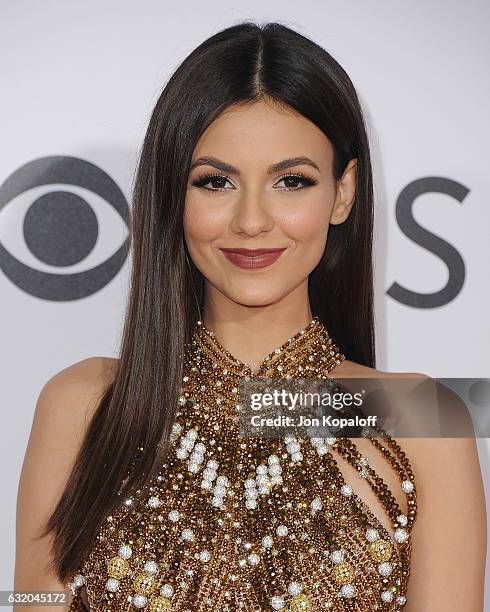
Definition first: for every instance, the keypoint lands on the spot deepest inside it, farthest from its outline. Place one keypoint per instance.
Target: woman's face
(238, 197)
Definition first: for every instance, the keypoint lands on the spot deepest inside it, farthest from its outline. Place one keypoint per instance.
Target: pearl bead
(401, 536)
(275, 469)
(139, 601)
(153, 502)
(277, 602)
(337, 556)
(385, 568)
(372, 535)
(174, 515)
(402, 519)
(348, 590)
(78, 580)
(386, 596)
(253, 559)
(188, 535)
(112, 585)
(346, 490)
(125, 551)
(151, 567)
(167, 590)
(407, 486)
(294, 588)
(316, 504)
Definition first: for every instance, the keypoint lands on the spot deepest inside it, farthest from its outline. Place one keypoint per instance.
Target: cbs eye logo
(61, 229)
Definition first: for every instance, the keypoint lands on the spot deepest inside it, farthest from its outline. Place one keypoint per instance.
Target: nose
(251, 215)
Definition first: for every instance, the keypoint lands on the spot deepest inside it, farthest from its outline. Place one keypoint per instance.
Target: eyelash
(201, 181)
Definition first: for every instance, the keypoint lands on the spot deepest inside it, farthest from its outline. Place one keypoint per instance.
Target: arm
(449, 534)
(62, 413)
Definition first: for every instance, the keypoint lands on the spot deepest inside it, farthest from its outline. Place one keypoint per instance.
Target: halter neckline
(291, 345)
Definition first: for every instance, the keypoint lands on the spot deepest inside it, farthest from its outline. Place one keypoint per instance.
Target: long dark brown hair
(238, 65)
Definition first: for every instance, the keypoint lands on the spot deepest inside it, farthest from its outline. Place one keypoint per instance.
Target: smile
(252, 258)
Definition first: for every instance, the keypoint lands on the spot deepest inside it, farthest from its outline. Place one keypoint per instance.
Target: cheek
(308, 224)
(203, 223)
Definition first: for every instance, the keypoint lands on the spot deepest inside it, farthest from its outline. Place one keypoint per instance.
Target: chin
(256, 298)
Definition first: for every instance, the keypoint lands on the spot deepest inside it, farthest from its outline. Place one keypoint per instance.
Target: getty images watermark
(299, 404)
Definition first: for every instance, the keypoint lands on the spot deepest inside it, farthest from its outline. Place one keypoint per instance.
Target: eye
(291, 181)
(218, 181)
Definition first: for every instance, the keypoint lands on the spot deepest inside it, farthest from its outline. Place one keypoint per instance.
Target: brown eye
(217, 182)
(291, 181)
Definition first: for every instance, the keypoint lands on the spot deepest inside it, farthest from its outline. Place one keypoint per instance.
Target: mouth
(252, 258)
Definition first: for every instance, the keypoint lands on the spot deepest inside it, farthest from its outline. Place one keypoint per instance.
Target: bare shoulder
(352, 369)
(62, 413)
(89, 372)
(89, 375)
(68, 399)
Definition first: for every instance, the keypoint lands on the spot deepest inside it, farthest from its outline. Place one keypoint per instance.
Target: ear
(346, 191)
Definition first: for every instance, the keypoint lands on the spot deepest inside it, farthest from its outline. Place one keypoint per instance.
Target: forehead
(263, 132)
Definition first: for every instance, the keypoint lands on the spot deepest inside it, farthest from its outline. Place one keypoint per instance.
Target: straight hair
(127, 439)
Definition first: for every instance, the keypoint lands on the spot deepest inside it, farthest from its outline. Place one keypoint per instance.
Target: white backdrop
(79, 80)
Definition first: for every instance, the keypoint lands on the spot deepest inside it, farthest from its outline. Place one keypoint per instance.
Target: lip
(252, 258)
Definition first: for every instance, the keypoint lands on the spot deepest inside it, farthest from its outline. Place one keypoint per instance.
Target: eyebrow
(224, 167)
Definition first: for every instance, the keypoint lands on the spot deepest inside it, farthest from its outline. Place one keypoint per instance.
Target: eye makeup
(298, 176)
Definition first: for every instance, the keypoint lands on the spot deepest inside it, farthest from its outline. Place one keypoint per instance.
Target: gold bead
(343, 572)
(144, 583)
(298, 603)
(117, 567)
(160, 604)
(381, 550)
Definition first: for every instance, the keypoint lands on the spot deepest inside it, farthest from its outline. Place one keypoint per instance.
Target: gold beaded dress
(252, 524)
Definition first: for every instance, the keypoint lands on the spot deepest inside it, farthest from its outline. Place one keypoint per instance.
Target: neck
(251, 333)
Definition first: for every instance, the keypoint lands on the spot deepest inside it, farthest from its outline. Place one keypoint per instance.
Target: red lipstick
(252, 258)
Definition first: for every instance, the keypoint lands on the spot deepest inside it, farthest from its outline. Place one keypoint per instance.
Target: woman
(255, 152)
